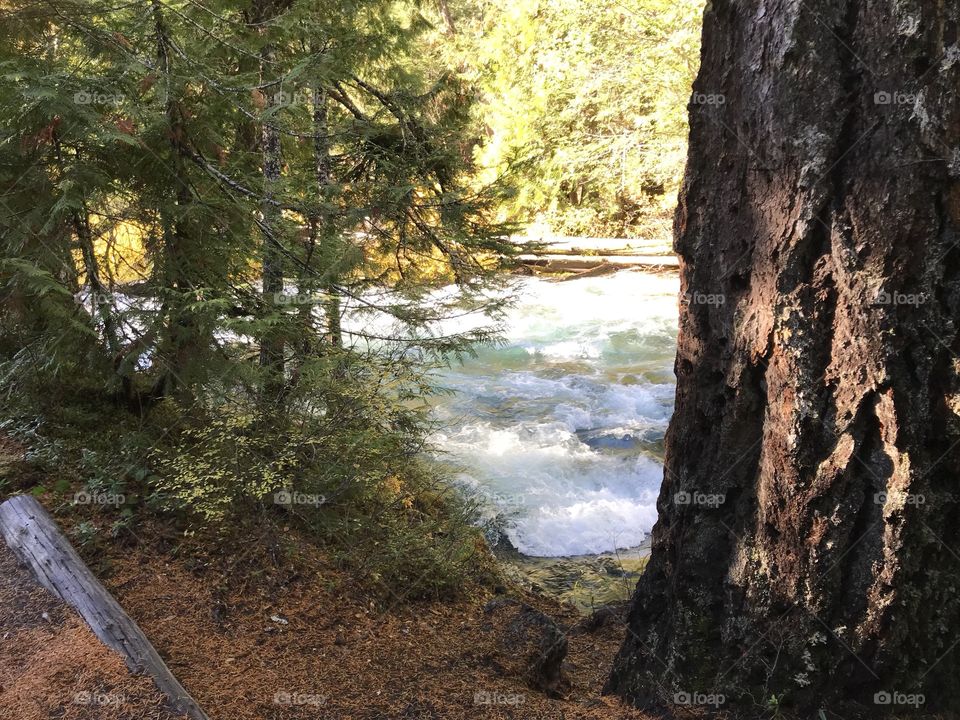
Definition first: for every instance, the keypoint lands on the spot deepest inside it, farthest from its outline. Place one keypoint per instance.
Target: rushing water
(561, 429)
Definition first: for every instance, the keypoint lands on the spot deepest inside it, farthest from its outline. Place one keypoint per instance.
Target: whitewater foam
(561, 428)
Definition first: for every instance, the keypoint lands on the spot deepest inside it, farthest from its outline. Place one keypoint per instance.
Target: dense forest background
(590, 99)
(240, 242)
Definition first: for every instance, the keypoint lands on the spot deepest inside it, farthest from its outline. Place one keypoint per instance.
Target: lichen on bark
(819, 399)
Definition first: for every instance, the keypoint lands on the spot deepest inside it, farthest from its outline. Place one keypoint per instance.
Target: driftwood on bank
(556, 262)
(36, 540)
(560, 254)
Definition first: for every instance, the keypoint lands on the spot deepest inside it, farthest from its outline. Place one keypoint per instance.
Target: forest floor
(266, 634)
(300, 640)
(53, 666)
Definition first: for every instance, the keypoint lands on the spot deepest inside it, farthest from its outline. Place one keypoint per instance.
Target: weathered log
(566, 244)
(586, 262)
(36, 540)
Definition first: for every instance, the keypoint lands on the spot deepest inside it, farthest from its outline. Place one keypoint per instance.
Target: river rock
(527, 644)
(602, 617)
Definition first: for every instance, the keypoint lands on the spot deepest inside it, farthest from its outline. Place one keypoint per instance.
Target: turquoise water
(560, 431)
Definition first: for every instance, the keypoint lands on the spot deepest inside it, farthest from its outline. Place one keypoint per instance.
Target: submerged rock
(586, 582)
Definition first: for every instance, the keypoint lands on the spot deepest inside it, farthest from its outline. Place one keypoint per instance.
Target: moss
(586, 582)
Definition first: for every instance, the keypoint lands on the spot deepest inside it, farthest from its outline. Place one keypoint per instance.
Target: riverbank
(295, 631)
(586, 582)
(291, 636)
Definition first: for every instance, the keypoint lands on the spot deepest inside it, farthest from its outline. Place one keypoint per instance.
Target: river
(559, 431)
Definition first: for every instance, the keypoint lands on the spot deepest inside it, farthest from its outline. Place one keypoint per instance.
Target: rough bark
(808, 542)
(271, 343)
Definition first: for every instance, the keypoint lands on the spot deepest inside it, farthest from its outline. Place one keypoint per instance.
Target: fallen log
(36, 540)
(586, 262)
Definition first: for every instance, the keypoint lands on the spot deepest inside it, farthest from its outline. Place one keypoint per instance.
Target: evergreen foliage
(224, 229)
(591, 98)
(238, 238)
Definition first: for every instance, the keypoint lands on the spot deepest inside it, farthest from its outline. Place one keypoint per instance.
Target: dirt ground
(52, 665)
(301, 642)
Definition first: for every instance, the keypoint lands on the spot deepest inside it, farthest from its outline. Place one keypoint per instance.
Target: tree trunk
(101, 304)
(271, 343)
(807, 551)
(325, 229)
(181, 343)
(448, 25)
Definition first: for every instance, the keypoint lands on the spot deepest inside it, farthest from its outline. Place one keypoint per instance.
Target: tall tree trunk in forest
(181, 342)
(324, 174)
(448, 25)
(271, 343)
(101, 305)
(307, 282)
(808, 543)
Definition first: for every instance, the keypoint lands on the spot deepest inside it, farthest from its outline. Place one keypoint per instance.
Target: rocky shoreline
(587, 582)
